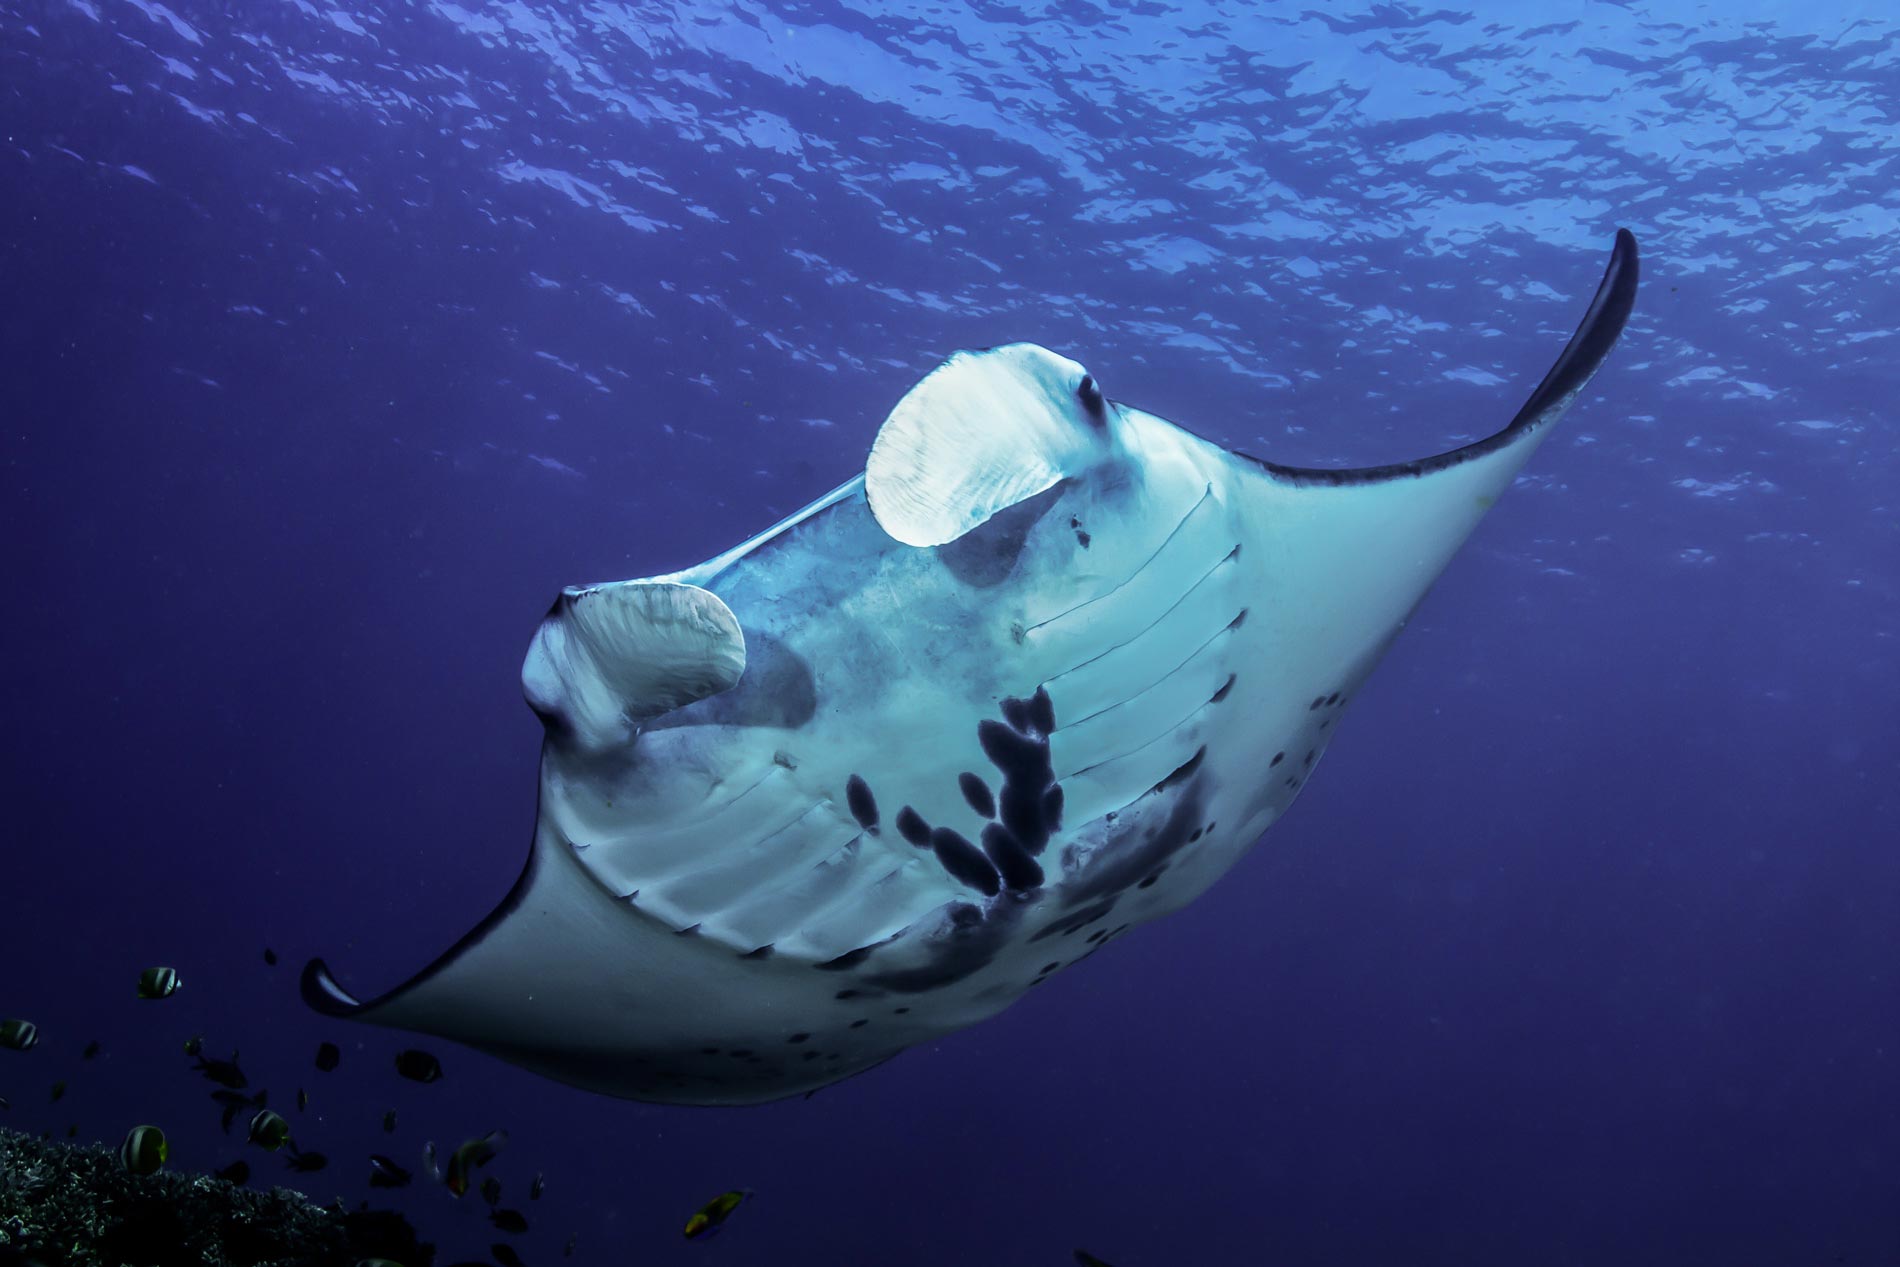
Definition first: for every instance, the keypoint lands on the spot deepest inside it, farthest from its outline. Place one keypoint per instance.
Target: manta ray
(1041, 674)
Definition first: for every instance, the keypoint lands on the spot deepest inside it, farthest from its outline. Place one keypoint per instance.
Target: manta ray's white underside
(1041, 674)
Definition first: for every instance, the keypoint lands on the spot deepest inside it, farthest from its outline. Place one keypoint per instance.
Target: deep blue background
(334, 341)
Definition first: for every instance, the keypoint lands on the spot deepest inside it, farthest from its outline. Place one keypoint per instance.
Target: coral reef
(68, 1206)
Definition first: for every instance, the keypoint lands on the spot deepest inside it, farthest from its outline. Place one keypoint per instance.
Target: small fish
(269, 1130)
(303, 1099)
(270, 957)
(328, 1056)
(158, 983)
(306, 1162)
(194, 1044)
(224, 1072)
(505, 1256)
(92, 1049)
(491, 1190)
(59, 1091)
(534, 1189)
(389, 1122)
(417, 1065)
(384, 1173)
(237, 1172)
(144, 1150)
(1086, 1259)
(19, 1035)
(472, 1153)
(714, 1213)
(429, 1164)
(513, 1222)
(234, 1104)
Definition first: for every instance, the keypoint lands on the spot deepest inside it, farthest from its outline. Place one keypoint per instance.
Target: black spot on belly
(1052, 807)
(761, 952)
(977, 793)
(1225, 687)
(911, 825)
(860, 1023)
(800, 1037)
(1278, 757)
(1316, 703)
(857, 794)
(847, 994)
(965, 861)
(1018, 869)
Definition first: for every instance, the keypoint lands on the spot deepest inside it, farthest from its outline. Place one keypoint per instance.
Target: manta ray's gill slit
(1134, 698)
(880, 903)
(773, 911)
(811, 835)
(1206, 497)
(638, 854)
(1191, 592)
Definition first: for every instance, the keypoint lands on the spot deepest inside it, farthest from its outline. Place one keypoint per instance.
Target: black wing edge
(1597, 334)
(322, 994)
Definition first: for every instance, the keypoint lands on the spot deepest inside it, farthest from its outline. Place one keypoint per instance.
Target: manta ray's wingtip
(321, 993)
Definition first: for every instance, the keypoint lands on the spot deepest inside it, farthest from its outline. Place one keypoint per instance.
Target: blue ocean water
(336, 339)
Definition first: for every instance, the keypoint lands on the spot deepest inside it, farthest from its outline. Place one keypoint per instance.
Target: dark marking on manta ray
(965, 941)
(847, 994)
(1019, 747)
(1333, 698)
(1020, 872)
(861, 1022)
(899, 1011)
(1316, 703)
(1310, 754)
(849, 959)
(1225, 687)
(691, 930)
(761, 952)
(965, 861)
(912, 827)
(1183, 772)
(1049, 968)
(857, 795)
(988, 553)
(977, 793)
(1278, 757)
(1081, 538)
(1125, 862)
(800, 1037)
(1052, 807)
(777, 690)
(1075, 921)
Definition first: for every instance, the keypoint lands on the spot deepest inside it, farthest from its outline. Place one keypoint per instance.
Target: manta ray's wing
(769, 853)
